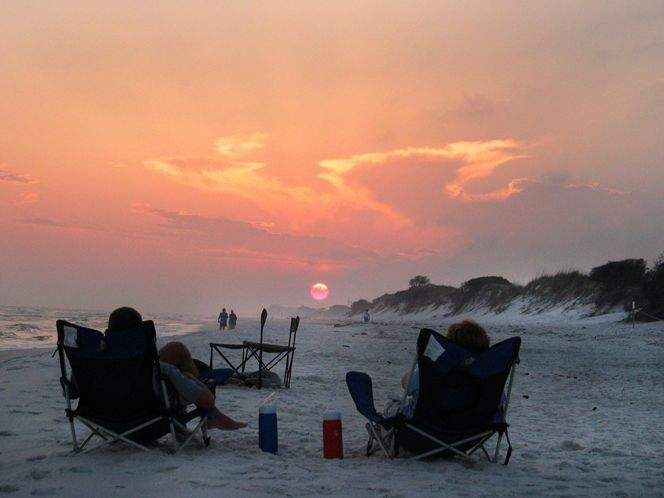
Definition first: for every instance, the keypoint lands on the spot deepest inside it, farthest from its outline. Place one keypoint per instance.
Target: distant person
(467, 334)
(232, 320)
(366, 317)
(223, 319)
(176, 363)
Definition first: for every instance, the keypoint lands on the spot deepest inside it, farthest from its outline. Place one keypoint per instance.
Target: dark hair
(124, 318)
(469, 335)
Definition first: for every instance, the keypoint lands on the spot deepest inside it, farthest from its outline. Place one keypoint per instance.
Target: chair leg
(497, 451)
(77, 448)
(90, 436)
(286, 371)
(204, 433)
(192, 434)
(376, 435)
(70, 416)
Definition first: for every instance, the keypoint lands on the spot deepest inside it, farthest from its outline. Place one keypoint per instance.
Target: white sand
(563, 445)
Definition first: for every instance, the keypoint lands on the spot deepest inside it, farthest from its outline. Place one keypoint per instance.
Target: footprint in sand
(38, 475)
(206, 484)
(17, 367)
(170, 468)
(8, 488)
(44, 492)
(35, 458)
(80, 470)
(571, 446)
(6, 434)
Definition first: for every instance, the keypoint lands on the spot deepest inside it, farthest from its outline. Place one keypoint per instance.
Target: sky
(181, 156)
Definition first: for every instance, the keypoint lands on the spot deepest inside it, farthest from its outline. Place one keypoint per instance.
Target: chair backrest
(292, 332)
(461, 390)
(113, 374)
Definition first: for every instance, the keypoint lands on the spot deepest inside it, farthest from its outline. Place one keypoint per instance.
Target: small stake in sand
(260, 352)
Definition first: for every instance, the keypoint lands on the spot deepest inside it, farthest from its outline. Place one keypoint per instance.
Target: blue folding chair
(113, 380)
(462, 401)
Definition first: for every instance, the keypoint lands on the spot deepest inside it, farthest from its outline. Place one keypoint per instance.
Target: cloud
(46, 222)
(405, 204)
(228, 238)
(347, 198)
(470, 161)
(244, 179)
(249, 179)
(239, 145)
(9, 177)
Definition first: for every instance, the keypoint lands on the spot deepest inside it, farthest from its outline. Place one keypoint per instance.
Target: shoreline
(404, 320)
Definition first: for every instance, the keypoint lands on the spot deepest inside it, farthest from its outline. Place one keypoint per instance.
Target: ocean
(28, 327)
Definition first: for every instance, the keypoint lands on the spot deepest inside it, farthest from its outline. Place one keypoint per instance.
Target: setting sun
(319, 291)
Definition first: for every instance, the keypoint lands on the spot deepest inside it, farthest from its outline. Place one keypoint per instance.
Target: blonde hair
(469, 335)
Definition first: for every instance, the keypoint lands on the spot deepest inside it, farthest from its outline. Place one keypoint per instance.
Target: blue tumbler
(267, 429)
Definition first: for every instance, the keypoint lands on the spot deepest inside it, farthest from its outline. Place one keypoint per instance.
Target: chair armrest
(361, 390)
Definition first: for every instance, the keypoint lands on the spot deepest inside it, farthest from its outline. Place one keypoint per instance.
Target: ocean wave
(24, 327)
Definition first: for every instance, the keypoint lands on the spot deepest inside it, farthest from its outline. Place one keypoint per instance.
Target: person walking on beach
(367, 316)
(232, 320)
(223, 319)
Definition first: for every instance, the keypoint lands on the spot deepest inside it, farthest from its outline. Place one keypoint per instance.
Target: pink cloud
(9, 177)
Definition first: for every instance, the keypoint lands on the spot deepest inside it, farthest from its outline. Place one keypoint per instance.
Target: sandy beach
(584, 421)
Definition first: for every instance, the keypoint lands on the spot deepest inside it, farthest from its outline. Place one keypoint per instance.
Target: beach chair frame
(168, 413)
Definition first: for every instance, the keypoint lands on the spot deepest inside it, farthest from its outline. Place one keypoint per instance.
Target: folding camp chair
(281, 352)
(461, 403)
(255, 350)
(113, 378)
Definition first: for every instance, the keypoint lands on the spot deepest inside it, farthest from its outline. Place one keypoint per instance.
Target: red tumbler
(333, 444)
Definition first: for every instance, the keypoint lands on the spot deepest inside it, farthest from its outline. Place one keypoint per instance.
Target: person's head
(223, 310)
(232, 312)
(124, 318)
(469, 335)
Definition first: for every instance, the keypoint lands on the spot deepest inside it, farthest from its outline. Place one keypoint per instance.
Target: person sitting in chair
(176, 363)
(467, 334)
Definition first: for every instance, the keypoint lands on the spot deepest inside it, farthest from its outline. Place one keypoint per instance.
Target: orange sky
(188, 155)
